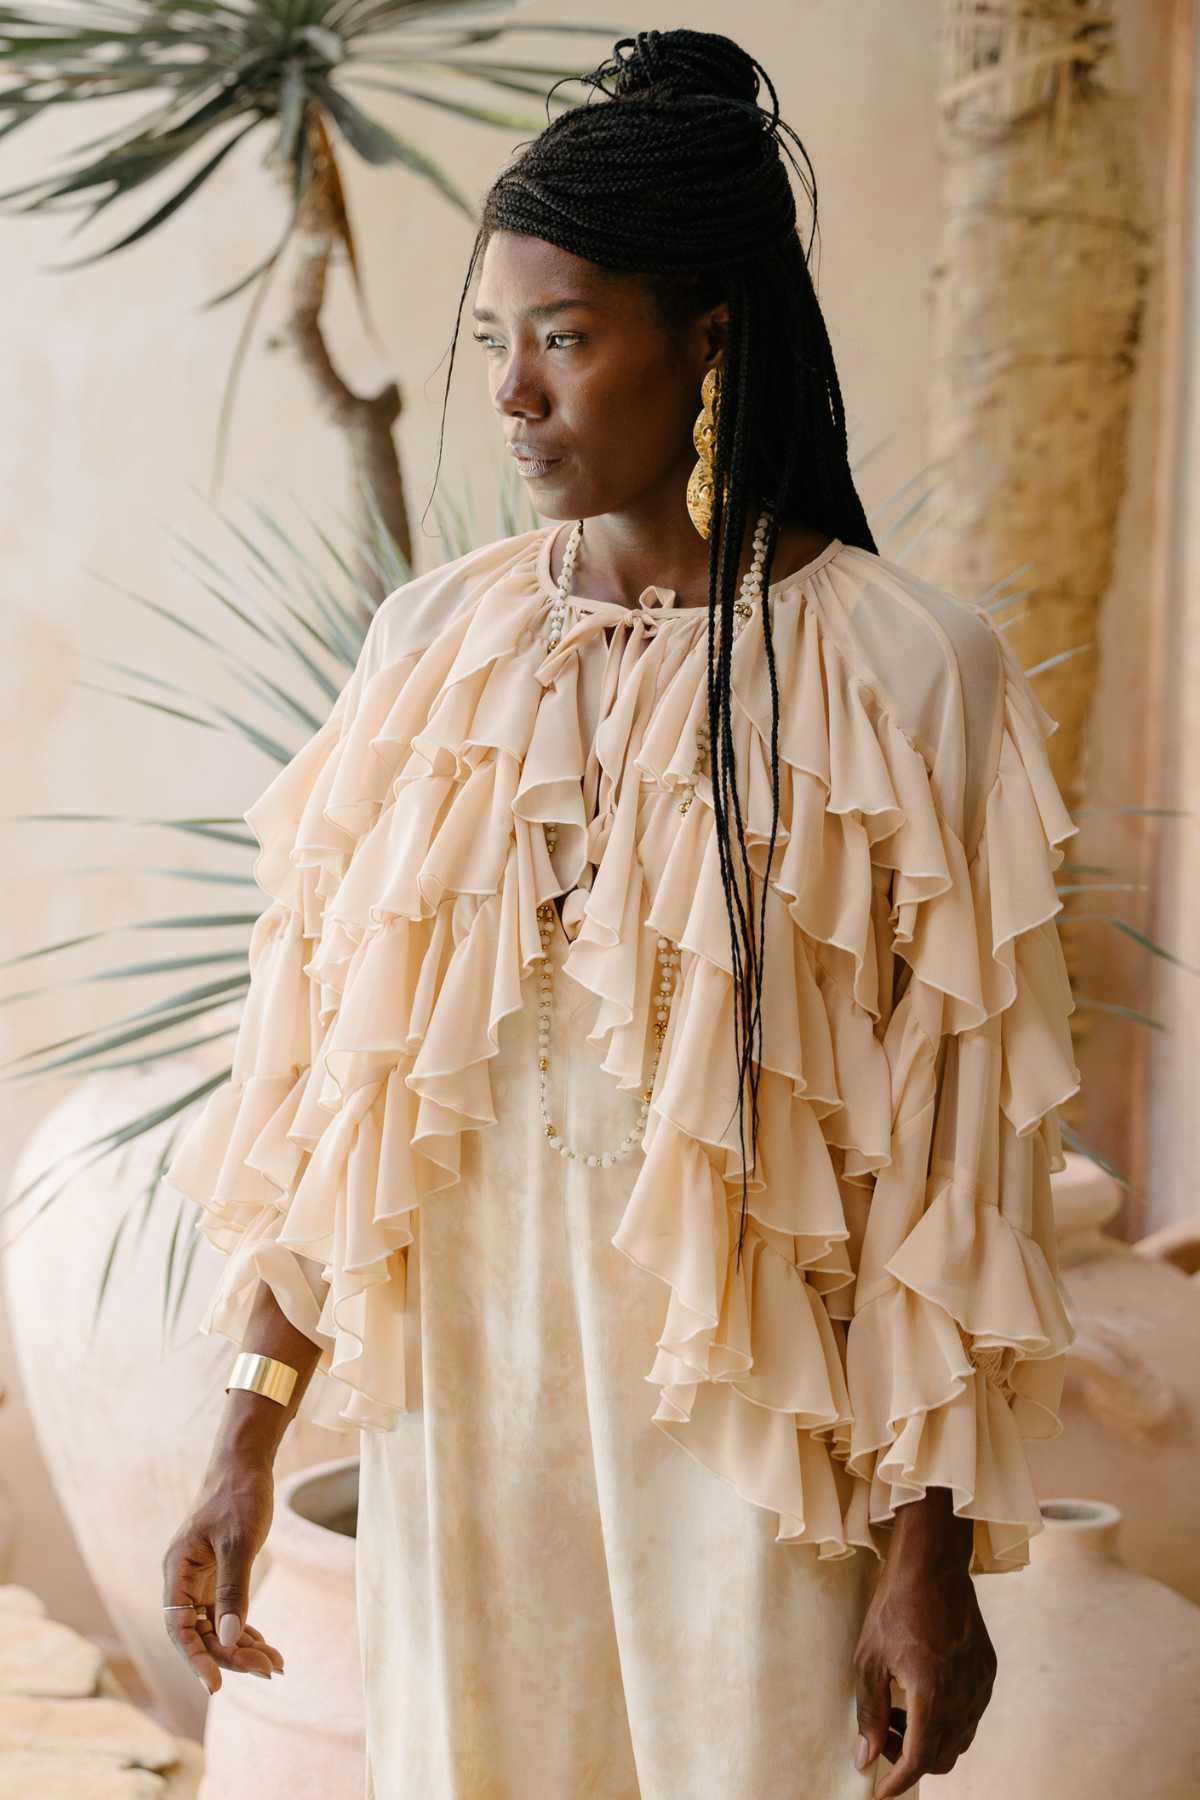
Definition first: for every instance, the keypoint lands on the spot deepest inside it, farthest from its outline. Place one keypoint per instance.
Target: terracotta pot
(1131, 1395)
(8, 1526)
(126, 1416)
(301, 1734)
(1098, 1688)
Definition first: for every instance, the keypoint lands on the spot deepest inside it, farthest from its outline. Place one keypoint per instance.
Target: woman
(544, 1092)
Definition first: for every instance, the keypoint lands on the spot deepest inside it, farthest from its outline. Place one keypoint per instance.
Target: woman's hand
(924, 1628)
(207, 1569)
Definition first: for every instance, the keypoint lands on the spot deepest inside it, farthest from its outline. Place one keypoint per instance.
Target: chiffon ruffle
(895, 1319)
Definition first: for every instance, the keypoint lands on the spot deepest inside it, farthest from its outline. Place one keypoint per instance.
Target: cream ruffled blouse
(896, 1320)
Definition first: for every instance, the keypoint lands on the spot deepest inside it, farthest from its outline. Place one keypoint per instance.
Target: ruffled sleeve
(955, 1352)
(284, 1158)
(894, 1319)
(235, 1159)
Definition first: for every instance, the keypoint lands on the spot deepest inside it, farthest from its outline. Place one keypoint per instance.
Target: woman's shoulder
(897, 622)
(933, 660)
(411, 616)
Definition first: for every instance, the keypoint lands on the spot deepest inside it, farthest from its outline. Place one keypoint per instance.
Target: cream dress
(624, 1498)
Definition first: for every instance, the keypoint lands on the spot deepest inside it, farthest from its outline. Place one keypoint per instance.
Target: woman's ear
(713, 327)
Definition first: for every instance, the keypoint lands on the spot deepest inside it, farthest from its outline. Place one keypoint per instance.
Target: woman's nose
(518, 392)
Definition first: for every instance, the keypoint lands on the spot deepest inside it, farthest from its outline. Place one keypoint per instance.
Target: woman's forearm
(252, 1425)
(928, 1532)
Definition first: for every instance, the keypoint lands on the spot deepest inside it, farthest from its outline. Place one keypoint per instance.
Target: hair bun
(681, 62)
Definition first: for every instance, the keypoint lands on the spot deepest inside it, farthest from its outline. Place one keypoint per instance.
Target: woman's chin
(554, 505)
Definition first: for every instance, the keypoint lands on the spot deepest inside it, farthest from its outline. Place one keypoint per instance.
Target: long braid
(680, 180)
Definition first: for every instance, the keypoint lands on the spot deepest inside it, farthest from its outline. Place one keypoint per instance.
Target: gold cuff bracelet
(262, 1375)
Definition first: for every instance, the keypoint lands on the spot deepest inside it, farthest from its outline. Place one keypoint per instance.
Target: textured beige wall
(1168, 1121)
(113, 379)
(1140, 1109)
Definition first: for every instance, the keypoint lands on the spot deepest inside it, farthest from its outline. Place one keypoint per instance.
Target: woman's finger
(872, 1691)
(187, 1595)
(246, 1657)
(920, 1744)
(184, 1630)
(258, 1638)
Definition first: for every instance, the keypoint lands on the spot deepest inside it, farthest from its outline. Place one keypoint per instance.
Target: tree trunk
(365, 419)
(1038, 298)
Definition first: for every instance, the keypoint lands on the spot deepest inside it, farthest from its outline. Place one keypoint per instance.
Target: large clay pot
(1097, 1696)
(301, 1733)
(8, 1523)
(1131, 1396)
(126, 1416)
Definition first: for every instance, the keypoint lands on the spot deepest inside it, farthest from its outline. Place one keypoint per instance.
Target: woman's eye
(482, 337)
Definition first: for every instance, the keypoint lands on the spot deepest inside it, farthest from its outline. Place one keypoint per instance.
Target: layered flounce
(956, 1350)
(893, 1319)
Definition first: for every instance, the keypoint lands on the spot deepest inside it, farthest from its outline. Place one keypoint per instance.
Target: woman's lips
(532, 466)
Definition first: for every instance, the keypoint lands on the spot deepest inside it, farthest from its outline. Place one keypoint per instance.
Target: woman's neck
(617, 568)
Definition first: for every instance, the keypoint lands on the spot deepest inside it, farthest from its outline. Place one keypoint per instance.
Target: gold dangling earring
(701, 487)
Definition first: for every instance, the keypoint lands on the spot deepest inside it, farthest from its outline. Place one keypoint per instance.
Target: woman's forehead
(529, 273)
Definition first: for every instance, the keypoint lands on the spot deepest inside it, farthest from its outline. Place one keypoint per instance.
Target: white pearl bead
(605, 1159)
(669, 954)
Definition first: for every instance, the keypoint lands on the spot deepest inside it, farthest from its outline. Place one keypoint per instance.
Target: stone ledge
(67, 1725)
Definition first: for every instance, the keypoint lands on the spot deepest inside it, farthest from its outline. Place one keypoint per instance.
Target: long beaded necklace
(668, 955)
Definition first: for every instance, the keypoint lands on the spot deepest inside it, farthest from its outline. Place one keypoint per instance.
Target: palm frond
(1075, 1142)
(264, 63)
(316, 623)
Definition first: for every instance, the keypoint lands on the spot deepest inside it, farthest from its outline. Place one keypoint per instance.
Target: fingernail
(230, 1629)
(860, 1752)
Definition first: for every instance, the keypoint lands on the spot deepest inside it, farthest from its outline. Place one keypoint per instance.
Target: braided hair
(679, 180)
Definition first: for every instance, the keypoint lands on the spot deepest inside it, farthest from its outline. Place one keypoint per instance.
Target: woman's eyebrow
(486, 316)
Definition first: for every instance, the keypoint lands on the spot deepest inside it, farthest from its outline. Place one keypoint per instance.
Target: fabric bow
(595, 616)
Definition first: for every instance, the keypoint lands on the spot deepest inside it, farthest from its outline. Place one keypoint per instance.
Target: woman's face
(580, 367)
